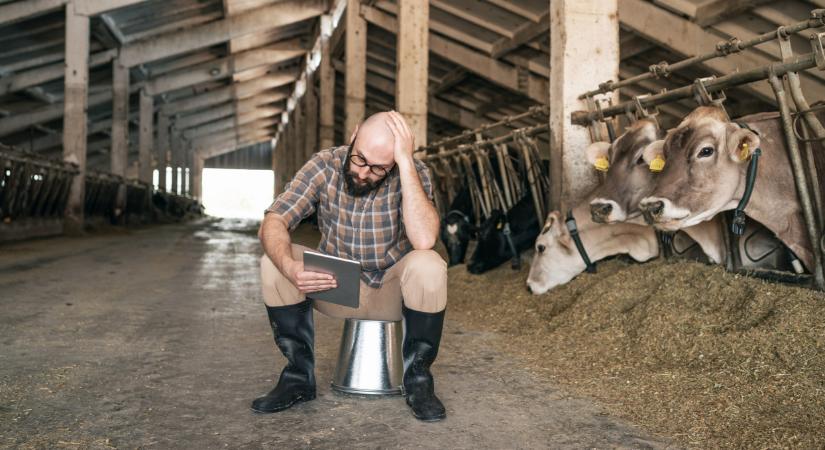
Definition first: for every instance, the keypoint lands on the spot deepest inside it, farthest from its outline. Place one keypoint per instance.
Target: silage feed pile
(686, 350)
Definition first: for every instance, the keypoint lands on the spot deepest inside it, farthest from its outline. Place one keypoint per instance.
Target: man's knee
(277, 290)
(425, 266)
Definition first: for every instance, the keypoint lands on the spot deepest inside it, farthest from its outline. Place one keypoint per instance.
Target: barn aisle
(156, 338)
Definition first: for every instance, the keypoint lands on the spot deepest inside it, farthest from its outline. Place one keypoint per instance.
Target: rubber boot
(421, 340)
(294, 333)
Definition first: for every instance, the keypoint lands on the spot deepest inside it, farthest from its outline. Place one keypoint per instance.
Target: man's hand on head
(307, 281)
(404, 139)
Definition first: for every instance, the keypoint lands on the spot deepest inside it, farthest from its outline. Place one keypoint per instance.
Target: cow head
(706, 158)
(628, 179)
(492, 249)
(456, 232)
(556, 260)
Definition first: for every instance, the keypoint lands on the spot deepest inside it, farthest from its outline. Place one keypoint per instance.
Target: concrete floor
(157, 338)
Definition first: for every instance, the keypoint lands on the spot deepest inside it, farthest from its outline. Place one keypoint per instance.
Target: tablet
(347, 274)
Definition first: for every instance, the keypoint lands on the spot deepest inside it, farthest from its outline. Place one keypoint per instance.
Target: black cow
(457, 226)
(494, 248)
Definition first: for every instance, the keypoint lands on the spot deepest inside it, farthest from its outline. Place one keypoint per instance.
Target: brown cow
(556, 259)
(629, 179)
(706, 163)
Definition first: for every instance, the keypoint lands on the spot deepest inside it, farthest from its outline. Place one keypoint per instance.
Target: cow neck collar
(737, 225)
(570, 223)
(461, 215)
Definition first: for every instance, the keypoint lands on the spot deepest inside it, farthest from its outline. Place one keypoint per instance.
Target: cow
(629, 179)
(504, 236)
(557, 259)
(457, 227)
(706, 160)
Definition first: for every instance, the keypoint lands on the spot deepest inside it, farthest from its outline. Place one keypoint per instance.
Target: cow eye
(705, 152)
(541, 248)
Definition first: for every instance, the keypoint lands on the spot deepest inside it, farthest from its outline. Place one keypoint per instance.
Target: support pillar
(356, 67)
(119, 158)
(326, 92)
(310, 119)
(162, 146)
(412, 64)
(146, 137)
(197, 176)
(176, 150)
(189, 160)
(74, 114)
(577, 65)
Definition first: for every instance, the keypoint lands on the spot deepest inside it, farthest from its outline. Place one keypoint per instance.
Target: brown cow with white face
(706, 164)
(629, 180)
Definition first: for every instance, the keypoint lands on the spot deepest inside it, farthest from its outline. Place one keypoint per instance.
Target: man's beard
(356, 189)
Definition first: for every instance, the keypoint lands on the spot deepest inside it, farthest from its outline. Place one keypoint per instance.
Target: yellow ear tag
(601, 164)
(498, 226)
(745, 153)
(657, 164)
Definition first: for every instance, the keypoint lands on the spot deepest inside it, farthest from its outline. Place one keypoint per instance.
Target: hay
(688, 351)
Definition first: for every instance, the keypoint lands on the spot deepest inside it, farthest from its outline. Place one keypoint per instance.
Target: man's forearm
(420, 216)
(274, 236)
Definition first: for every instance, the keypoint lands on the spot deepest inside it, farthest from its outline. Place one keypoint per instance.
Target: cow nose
(529, 289)
(652, 210)
(656, 207)
(600, 210)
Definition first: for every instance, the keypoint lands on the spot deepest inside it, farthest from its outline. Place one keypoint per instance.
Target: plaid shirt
(369, 229)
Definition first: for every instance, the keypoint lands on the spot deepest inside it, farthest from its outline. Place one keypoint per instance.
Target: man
(374, 204)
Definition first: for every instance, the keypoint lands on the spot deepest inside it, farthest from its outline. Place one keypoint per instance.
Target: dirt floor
(157, 338)
(709, 358)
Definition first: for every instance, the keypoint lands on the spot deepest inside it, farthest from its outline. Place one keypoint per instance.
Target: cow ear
(597, 155)
(655, 148)
(554, 225)
(741, 143)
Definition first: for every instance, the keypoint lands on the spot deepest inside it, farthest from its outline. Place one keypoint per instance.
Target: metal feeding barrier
(33, 187)
(492, 185)
(806, 167)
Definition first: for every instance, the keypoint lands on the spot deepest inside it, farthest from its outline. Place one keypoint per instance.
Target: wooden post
(197, 176)
(146, 137)
(74, 114)
(356, 67)
(176, 150)
(412, 65)
(576, 65)
(310, 119)
(119, 157)
(326, 91)
(162, 146)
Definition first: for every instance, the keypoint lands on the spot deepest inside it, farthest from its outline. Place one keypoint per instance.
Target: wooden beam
(521, 36)
(170, 44)
(709, 12)
(95, 7)
(225, 124)
(17, 11)
(356, 60)
(34, 77)
(225, 67)
(412, 63)
(498, 72)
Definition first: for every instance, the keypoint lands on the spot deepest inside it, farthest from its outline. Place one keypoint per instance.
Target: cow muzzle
(652, 210)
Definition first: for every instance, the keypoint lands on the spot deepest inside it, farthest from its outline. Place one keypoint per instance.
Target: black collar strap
(570, 222)
(737, 225)
(508, 236)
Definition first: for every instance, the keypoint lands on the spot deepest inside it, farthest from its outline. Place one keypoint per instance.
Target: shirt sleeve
(301, 194)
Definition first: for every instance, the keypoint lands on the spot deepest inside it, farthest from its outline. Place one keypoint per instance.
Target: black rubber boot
(421, 340)
(295, 335)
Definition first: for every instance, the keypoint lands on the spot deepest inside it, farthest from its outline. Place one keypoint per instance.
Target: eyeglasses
(376, 169)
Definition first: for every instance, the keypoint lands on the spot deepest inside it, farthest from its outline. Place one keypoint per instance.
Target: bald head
(374, 139)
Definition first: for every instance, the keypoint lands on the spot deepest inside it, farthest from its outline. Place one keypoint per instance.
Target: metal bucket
(370, 360)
